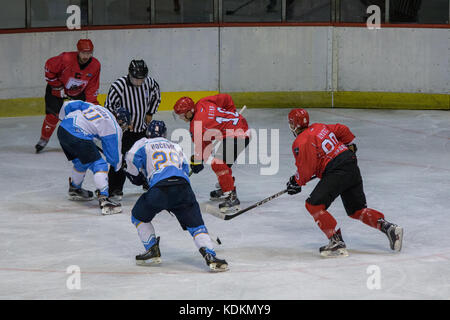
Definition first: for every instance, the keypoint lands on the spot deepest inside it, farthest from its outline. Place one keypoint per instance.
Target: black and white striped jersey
(139, 101)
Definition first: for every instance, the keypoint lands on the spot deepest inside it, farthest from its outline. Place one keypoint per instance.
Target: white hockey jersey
(87, 121)
(157, 159)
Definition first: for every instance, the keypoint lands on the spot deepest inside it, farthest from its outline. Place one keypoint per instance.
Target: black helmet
(138, 69)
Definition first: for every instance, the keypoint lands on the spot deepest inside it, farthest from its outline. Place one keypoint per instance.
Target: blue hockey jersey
(157, 159)
(87, 121)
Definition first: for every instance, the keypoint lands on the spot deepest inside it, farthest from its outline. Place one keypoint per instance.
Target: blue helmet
(123, 118)
(156, 128)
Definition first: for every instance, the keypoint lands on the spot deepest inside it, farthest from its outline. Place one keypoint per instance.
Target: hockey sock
(101, 182)
(202, 238)
(146, 232)
(77, 178)
(323, 218)
(100, 170)
(48, 126)
(224, 175)
(78, 172)
(369, 217)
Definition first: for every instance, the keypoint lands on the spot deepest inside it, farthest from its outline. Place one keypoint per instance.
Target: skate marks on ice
(272, 250)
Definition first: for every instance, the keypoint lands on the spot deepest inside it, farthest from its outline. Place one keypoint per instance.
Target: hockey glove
(292, 186)
(352, 147)
(145, 186)
(138, 180)
(196, 165)
(59, 92)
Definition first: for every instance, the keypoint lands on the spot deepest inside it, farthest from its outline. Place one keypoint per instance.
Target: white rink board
(394, 60)
(244, 59)
(272, 251)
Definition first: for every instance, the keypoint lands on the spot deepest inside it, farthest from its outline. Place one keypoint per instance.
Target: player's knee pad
(314, 210)
(51, 119)
(197, 230)
(78, 166)
(135, 221)
(325, 221)
(220, 168)
(99, 166)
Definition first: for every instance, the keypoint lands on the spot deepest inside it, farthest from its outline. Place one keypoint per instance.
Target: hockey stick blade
(214, 238)
(214, 211)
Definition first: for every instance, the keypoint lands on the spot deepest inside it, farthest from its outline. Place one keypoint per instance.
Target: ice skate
(212, 261)
(79, 194)
(116, 195)
(216, 194)
(335, 248)
(394, 234)
(40, 145)
(107, 205)
(231, 202)
(151, 257)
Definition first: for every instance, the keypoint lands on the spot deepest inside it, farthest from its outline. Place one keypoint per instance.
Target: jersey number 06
(329, 144)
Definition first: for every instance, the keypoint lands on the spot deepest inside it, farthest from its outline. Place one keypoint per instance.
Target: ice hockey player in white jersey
(82, 122)
(164, 166)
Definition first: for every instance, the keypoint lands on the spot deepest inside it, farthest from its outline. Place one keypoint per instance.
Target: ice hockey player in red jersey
(328, 153)
(74, 75)
(215, 118)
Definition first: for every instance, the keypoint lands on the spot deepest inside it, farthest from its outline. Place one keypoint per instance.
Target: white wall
(179, 59)
(394, 60)
(274, 59)
(250, 59)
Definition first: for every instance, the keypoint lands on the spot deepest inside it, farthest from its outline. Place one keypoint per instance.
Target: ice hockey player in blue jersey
(164, 166)
(82, 122)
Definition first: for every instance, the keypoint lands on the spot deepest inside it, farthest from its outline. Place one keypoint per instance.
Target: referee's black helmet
(138, 69)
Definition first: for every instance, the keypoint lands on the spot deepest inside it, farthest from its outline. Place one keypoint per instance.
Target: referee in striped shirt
(140, 95)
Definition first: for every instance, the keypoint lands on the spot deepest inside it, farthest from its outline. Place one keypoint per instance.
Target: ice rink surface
(272, 251)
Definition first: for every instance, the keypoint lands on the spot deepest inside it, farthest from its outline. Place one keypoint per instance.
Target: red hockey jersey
(216, 118)
(315, 147)
(64, 71)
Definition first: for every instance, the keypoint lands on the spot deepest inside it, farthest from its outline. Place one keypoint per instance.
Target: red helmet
(85, 45)
(298, 119)
(184, 105)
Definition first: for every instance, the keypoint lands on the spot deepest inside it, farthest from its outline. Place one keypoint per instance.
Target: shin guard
(48, 126)
(146, 232)
(369, 217)
(224, 175)
(323, 218)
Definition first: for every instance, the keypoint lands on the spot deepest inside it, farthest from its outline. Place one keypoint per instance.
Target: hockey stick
(230, 12)
(217, 213)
